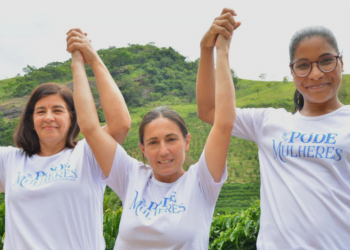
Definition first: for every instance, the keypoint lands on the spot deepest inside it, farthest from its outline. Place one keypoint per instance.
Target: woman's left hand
(77, 40)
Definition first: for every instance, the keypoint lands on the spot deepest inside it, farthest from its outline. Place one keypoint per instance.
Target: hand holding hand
(222, 43)
(225, 24)
(77, 40)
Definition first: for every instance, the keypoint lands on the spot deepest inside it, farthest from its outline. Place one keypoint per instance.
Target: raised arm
(113, 104)
(205, 91)
(102, 144)
(218, 141)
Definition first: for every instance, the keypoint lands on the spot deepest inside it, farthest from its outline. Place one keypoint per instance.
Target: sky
(34, 32)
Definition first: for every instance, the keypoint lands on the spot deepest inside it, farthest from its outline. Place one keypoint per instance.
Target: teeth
(165, 161)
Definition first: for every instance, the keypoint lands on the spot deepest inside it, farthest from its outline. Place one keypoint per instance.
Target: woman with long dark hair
(304, 157)
(54, 195)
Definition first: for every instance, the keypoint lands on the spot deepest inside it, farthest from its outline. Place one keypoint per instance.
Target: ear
(187, 141)
(142, 149)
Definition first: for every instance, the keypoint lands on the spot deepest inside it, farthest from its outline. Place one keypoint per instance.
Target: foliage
(6, 131)
(236, 231)
(111, 221)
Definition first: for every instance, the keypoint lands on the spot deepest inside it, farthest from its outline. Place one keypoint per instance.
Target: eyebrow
(168, 135)
(324, 54)
(55, 106)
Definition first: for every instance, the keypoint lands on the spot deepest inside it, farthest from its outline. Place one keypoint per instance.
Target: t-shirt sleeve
(248, 123)
(208, 186)
(119, 175)
(4, 154)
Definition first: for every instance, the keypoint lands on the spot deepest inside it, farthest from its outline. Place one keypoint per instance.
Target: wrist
(77, 65)
(97, 63)
(222, 52)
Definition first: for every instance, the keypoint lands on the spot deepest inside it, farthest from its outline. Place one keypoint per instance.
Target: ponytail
(298, 101)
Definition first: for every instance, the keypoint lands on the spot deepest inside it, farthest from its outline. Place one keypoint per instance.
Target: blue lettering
(310, 150)
(302, 151)
(278, 151)
(182, 207)
(40, 174)
(294, 135)
(329, 152)
(172, 197)
(338, 151)
(175, 208)
(331, 138)
(310, 138)
(321, 140)
(319, 153)
(74, 174)
(291, 152)
(287, 153)
(151, 206)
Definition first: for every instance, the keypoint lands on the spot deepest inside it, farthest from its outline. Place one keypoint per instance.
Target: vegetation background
(148, 77)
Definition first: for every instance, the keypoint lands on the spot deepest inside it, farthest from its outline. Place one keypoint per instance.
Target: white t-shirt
(159, 215)
(52, 202)
(305, 177)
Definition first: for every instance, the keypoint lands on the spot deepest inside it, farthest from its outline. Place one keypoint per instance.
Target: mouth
(165, 161)
(49, 127)
(317, 86)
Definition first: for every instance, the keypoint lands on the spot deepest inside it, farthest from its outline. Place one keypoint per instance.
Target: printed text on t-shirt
(311, 145)
(152, 209)
(54, 173)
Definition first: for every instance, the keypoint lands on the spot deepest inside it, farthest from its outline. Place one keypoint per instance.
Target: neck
(169, 178)
(47, 149)
(317, 109)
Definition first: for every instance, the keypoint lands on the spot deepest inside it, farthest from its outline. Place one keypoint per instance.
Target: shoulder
(9, 150)
(264, 112)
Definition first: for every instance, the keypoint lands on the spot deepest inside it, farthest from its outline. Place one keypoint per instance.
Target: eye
(302, 65)
(327, 60)
(172, 139)
(152, 142)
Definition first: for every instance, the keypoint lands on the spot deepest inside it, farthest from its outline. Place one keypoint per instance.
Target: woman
(164, 207)
(54, 196)
(304, 157)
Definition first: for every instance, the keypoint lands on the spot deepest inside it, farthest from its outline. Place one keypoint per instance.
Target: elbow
(87, 129)
(226, 125)
(121, 132)
(205, 116)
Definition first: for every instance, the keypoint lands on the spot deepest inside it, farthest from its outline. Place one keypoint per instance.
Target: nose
(163, 149)
(315, 73)
(49, 116)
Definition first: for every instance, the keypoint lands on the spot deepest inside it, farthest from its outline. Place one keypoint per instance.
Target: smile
(316, 87)
(49, 127)
(165, 161)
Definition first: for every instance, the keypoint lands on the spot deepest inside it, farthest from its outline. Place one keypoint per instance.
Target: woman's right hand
(77, 40)
(225, 24)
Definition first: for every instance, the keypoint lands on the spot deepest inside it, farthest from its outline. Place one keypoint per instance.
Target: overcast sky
(33, 32)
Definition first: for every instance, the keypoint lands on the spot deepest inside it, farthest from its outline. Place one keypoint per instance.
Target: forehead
(160, 127)
(312, 48)
(51, 100)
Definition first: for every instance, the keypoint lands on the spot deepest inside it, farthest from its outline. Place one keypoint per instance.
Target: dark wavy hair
(26, 137)
(297, 38)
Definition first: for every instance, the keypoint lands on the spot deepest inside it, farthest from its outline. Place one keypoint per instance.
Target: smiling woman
(54, 195)
(50, 110)
(162, 203)
(304, 157)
